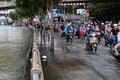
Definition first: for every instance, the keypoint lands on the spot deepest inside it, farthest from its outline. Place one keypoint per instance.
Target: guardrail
(36, 70)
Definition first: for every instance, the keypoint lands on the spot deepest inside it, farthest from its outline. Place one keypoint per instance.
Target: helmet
(102, 23)
(109, 24)
(68, 24)
(118, 23)
(89, 25)
(115, 25)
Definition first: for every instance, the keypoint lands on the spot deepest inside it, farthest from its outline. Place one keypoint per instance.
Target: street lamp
(64, 11)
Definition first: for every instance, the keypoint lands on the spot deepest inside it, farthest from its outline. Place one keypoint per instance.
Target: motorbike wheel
(88, 46)
(94, 48)
(70, 40)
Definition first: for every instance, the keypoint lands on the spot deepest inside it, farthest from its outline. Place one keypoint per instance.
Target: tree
(13, 15)
(105, 11)
(32, 7)
(50, 4)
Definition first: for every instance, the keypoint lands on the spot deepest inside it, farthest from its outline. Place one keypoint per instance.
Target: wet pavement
(14, 44)
(74, 62)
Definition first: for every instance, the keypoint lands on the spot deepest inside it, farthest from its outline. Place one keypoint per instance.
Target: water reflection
(14, 44)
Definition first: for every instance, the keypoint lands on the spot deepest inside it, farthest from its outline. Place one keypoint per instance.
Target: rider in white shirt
(118, 44)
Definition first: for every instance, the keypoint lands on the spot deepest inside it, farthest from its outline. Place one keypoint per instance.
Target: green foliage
(105, 11)
(28, 8)
(13, 15)
(55, 2)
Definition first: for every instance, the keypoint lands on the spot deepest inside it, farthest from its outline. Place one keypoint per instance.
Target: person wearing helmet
(118, 41)
(36, 22)
(115, 30)
(107, 35)
(89, 30)
(102, 28)
(68, 30)
(118, 26)
(62, 27)
(113, 36)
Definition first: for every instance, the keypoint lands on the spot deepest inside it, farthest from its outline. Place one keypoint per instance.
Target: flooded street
(60, 40)
(68, 62)
(14, 44)
(74, 62)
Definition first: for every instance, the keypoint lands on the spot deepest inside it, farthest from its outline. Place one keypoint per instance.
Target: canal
(14, 45)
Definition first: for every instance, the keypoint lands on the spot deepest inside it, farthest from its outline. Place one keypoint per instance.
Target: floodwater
(74, 62)
(14, 44)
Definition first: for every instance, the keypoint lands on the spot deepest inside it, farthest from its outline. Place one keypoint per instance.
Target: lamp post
(64, 11)
(85, 11)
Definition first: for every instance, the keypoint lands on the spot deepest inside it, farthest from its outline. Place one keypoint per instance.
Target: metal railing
(36, 70)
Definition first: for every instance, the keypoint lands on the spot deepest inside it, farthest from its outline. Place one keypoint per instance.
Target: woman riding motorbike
(113, 37)
(107, 35)
(91, 39)
(89, 30)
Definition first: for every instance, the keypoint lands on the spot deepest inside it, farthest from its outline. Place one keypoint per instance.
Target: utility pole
(64, 11)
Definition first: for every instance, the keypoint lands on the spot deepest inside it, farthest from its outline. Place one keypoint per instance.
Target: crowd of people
(110, 32)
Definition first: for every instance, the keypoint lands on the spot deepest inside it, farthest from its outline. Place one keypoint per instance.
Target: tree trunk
(51, 23)
(44, 39)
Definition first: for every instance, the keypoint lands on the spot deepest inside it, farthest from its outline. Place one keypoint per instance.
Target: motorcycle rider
(102, 28)
(118, 40)
(62, 27)
(89, 30)
(98, 32)
(107, 35)
(68, 30)
(115, 31)
(36, 22)
(113, 36)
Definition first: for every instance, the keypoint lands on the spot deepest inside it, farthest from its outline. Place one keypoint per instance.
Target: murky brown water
(73, 62)
(14, 44)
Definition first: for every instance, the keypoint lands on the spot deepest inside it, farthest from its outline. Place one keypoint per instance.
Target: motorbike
(98, 34)
(70, 37)
(117, 57)
(93, 44)
(108, 41)
(118, 49)
(63, 33)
